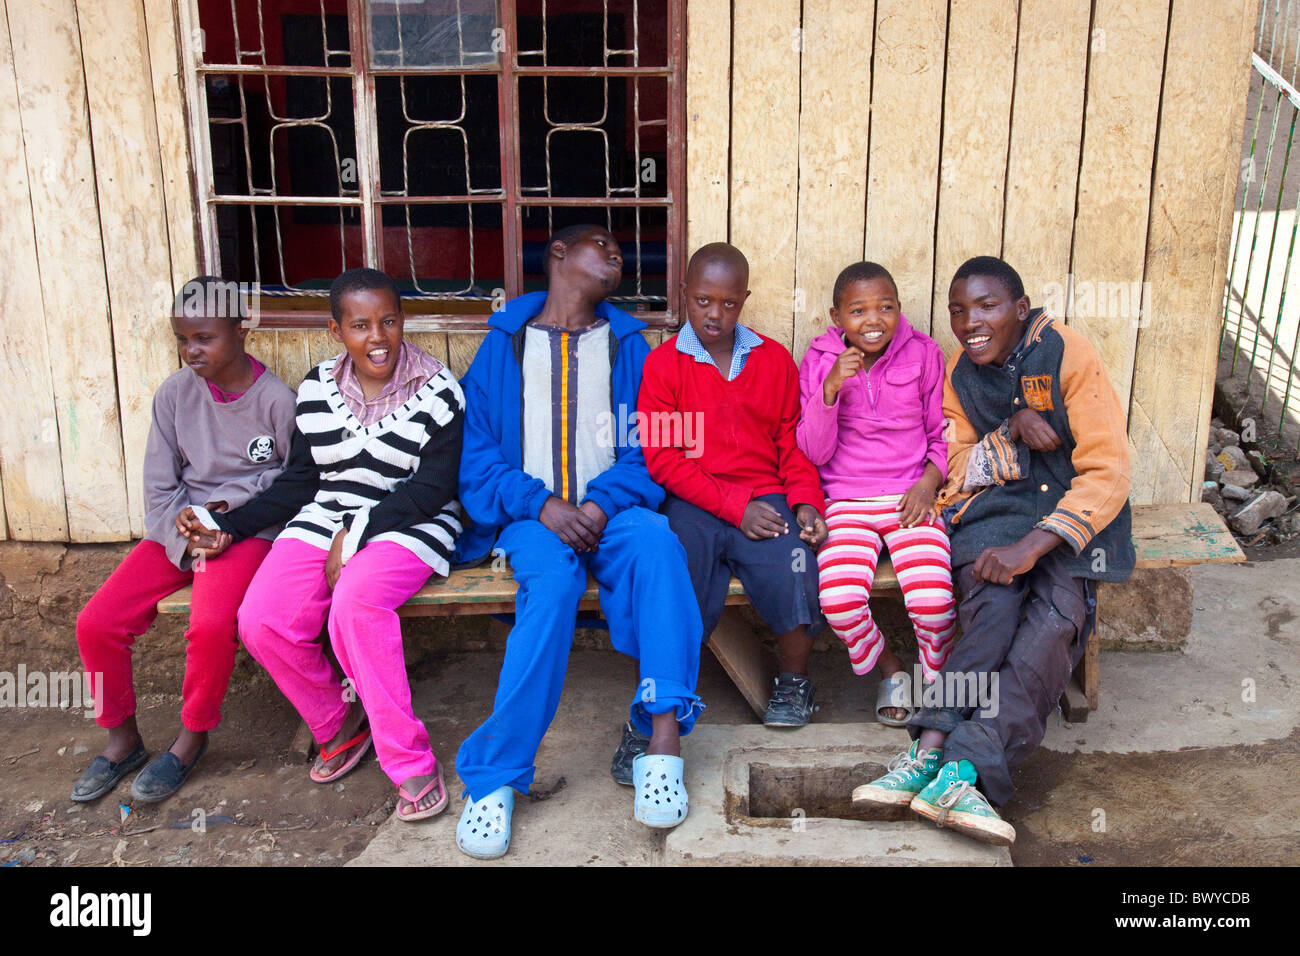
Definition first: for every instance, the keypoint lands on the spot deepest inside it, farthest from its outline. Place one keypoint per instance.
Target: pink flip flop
(432, 811)
(361, 742)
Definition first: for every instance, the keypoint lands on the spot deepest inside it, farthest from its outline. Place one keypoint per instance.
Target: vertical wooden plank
(1124, 64)
(56, 134)
(173, 138)
(1196, 167)
(834, 103)
(903, 160)
(29, 440)
(435, 343)
(291, 357)
(461, 348)
(317, 347)
(133, 220)
(261, 343)
(765, 158)
(1046, 131)
(708, 121)
(976, 135)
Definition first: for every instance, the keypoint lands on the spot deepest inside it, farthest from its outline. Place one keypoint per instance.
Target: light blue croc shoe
(661, 799)
(484, 828)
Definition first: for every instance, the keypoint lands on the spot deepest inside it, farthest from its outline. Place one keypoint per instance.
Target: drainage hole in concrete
(785, 792)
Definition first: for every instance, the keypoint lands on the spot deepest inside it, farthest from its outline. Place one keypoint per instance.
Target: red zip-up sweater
(717, 443)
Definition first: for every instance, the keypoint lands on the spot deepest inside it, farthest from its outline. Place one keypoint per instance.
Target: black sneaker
(791, 704)
(630, 747)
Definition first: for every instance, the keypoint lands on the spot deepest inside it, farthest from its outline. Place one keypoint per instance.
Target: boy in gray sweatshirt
(220, 434)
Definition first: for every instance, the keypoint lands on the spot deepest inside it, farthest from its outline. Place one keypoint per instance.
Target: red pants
(127, 604)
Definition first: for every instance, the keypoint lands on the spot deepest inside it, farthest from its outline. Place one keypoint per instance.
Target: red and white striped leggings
(922, 560)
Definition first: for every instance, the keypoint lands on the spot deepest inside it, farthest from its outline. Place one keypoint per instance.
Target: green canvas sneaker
(952, 801)
(908, 775)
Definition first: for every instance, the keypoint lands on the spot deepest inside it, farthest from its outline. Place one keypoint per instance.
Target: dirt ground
(250, 801)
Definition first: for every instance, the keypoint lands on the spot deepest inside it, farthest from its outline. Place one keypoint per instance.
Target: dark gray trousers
(1021, 641)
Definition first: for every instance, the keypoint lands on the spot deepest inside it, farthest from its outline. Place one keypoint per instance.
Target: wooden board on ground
(1046, 132)
(903, 159)
(1202, 112)
(765, 158)
(976, 130)
(1175, 535)
(834, 100)
(708, 120)
(46, 48)
(29, 439)
(133, 222)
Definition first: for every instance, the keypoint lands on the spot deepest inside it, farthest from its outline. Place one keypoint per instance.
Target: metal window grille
(438, 140)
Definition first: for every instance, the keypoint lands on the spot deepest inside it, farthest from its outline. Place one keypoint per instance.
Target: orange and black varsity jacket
(1078, 492)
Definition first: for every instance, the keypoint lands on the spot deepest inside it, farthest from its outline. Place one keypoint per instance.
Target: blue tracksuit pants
(647, 598)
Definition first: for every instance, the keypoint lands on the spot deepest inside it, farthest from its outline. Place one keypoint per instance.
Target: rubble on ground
(1237, 486)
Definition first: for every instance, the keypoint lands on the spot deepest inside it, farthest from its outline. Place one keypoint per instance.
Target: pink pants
(280, 622)
(125, 606)
(922, 559)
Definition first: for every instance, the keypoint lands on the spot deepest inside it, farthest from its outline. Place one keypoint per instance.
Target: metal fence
(1261, 324)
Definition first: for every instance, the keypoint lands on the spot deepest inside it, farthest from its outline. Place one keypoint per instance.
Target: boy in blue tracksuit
(552, 467)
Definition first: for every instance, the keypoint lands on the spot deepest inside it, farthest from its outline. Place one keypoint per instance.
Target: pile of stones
(1236, 485)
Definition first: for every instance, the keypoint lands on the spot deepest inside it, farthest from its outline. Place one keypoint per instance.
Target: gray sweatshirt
(200, 450)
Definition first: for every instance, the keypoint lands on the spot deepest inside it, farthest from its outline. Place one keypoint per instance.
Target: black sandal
(103, 775)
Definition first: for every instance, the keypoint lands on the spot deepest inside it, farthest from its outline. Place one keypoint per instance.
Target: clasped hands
(205, 543)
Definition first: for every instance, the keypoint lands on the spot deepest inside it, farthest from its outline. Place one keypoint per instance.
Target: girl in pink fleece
(872, 390)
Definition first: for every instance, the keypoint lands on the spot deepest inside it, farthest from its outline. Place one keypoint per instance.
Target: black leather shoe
(103, 775)
(163, 777)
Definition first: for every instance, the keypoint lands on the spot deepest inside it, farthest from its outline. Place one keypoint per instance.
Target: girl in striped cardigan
(370, 497)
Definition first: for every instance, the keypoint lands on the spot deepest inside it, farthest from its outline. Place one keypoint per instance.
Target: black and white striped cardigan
(393, 480)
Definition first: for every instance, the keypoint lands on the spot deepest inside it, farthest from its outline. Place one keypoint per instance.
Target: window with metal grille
(441, 141)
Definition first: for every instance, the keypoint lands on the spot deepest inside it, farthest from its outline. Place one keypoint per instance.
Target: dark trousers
(1022, 641)
(779, 574)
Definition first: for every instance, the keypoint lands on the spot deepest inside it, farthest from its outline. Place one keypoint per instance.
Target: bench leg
(749, 664)
(304, 744)
(1088, 667)
(1080, 695)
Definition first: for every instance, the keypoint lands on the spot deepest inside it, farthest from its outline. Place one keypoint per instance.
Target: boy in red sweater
(719, 405)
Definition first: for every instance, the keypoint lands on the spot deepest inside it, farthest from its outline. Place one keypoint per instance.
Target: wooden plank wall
(1195, 181)
(903, 153)
(1084, 141)
(98, 230)
(31, 467)
(1088, 141)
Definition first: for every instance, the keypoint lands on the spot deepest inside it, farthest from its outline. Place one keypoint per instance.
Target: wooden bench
(1164, 536)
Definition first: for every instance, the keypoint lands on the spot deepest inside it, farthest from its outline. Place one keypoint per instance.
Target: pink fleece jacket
(885, 423)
